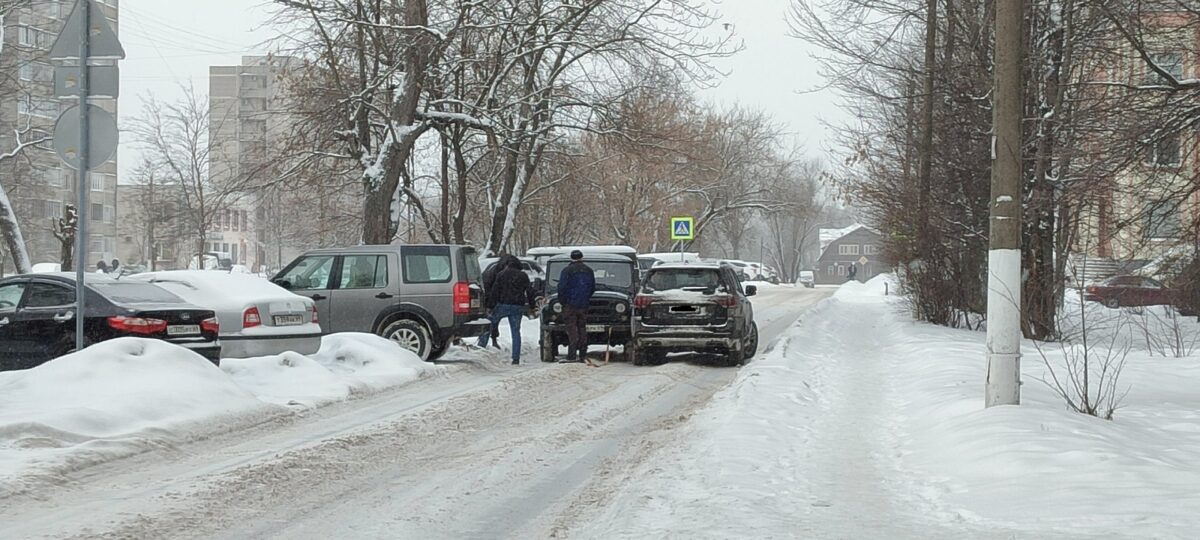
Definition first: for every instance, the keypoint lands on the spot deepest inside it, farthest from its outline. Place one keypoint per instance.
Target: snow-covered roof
(829, 236)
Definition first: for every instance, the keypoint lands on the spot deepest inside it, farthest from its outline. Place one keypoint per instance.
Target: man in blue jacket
(576, 285)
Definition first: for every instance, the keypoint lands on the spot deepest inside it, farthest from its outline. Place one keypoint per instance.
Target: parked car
(420, 296)
(529, 265)
(740, 268)
(807, 278)
(258, 318)
(37, 317)
(1119, 291)
(608, 313)
(543, 254)
(699, 308)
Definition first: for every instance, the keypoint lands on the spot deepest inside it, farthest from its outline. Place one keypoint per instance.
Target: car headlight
(621, 308)
(557, 307)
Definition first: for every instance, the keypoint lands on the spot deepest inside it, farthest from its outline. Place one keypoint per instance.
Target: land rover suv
(700, 308)
(420, 296)
(609, 311)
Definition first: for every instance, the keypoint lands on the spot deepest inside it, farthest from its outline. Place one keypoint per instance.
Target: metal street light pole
(1004, 255)
(81, 232)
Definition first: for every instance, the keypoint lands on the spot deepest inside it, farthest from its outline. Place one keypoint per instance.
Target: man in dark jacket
(576, 285)
(489, 297)
(513, 294)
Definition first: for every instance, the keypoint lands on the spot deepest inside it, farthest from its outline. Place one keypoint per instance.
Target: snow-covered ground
(863, 424)
(129, 395)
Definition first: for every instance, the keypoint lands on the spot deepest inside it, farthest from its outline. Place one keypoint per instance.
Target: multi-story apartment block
(248, 119)
(37, 181)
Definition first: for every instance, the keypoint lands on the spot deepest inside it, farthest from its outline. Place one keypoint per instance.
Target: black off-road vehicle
(610, 309)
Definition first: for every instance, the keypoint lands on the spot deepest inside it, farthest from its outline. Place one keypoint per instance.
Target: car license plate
(183, 329)
(596, 328)
(288, 320)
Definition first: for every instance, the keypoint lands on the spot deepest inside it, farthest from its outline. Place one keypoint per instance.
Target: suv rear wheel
(751, 345)
(411, 335)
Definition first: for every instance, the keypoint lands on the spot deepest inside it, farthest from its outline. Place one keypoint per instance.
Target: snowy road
(487, 451)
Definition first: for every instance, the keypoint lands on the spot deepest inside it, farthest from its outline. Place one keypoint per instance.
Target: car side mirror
(751, 290)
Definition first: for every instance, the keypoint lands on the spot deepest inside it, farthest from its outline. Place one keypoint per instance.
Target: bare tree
(24, 137)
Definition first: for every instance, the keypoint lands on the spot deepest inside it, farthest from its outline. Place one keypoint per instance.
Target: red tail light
(315, 318)
(251, 318)
(462, 298)
(1091, 289)
(210, 325)
(137, 325)
(726, 301)
(642, 301)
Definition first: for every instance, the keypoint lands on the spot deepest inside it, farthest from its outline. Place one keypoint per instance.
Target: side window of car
(426, 264)
(311, 273)
(364, 272)
(42, 295)
(10, 295)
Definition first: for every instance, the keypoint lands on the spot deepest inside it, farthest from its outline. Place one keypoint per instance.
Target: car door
(10, 298)
(312, 276)
(428, 273)
(1153, 293)
(46, 318)
(365, 288)
(743, 301)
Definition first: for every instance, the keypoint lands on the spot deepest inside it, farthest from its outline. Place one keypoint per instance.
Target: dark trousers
(576, 321)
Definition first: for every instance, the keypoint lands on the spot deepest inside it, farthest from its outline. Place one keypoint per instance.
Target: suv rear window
(427, 264)
(470, 265)
(136, 293)
(708, 279)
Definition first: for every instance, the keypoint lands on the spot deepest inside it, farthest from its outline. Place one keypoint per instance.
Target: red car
(1118, 291)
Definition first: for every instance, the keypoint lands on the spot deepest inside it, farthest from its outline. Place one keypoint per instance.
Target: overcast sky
(169, 43)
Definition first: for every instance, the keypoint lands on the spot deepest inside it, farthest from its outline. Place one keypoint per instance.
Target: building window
(1161, 220)
(100, 181)
(36, 72)
(870, 249)
(1171, 62)
(1165, 152)
(110, 214)
(34, 37)
(52, 209)
(832, 270)
(96, 243)
(54, 177)
(841, 269)
(245, 220)
(37, 107)
(96, 212)
(848, 249)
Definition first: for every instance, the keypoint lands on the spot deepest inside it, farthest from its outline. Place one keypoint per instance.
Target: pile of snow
(346, 365)
(125, 396)
(112, 400)
(862, 423)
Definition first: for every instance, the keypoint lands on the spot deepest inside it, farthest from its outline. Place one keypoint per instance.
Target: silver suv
(420, 296)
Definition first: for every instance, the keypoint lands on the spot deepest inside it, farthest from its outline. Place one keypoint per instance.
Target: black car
(699, 308)
(37, 317)
(609, 311)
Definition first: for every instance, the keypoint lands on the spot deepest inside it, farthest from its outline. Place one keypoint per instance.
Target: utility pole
(1004, 255)
(84, 183)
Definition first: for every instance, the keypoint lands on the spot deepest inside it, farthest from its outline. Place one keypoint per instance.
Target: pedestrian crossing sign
(683, 228)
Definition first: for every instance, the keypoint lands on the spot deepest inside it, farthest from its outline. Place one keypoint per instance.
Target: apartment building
(39, 184)
(248, 120)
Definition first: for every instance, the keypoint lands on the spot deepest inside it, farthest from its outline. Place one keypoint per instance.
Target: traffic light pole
(1004, 255)
(83, 185)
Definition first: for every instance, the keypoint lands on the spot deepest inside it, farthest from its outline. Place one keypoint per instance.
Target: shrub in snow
(1086, 373)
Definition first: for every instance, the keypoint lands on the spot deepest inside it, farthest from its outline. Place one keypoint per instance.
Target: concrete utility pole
(1004, 256)
(83, 183)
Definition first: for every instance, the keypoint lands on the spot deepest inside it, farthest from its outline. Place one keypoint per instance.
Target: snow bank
(862, 423)
(347, 364)
(112, 400)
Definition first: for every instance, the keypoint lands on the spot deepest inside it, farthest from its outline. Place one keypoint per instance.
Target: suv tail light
(726, 301)
(137, 325)
(462, 298)
(642, 301)
(251, 318)
(315, 318)
(210, 325)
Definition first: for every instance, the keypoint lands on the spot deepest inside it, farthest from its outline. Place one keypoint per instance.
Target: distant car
(693, 308)
(1120, 291)
(608, 313)
(37, 317)
(420, 296)
(258, 318)
(807, 278)
(740, 268)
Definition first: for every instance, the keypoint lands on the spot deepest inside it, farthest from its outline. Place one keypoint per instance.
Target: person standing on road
(489, 299)
(514, 294)
(576, 285)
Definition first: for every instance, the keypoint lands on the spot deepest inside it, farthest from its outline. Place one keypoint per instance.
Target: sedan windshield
(128, 292)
